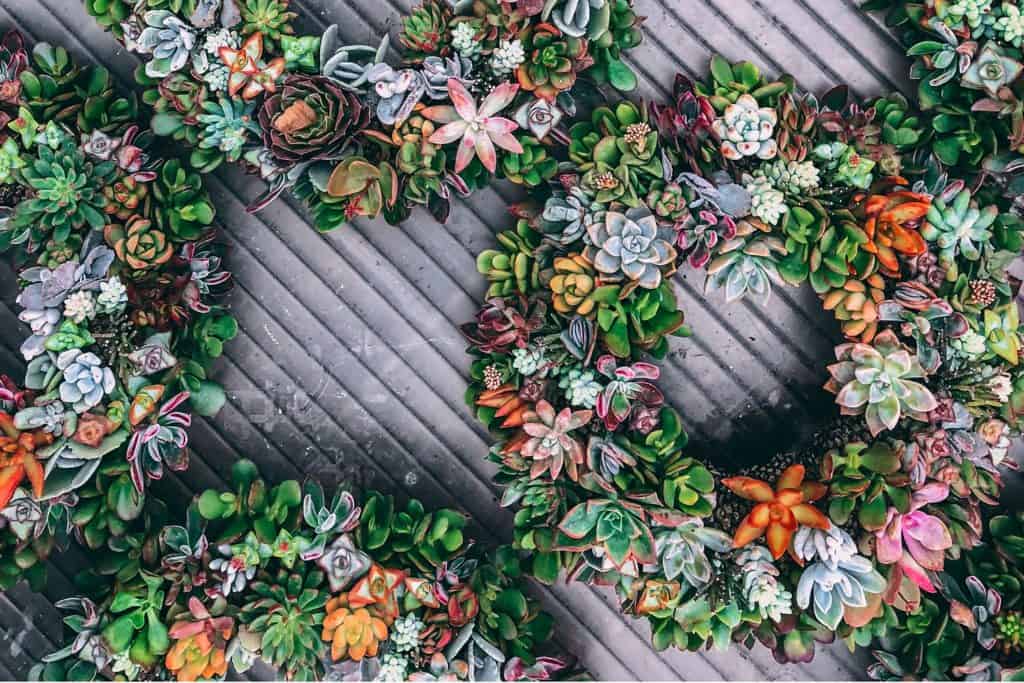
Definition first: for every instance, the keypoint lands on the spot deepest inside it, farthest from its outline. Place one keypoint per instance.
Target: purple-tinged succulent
(702, 233)
(916, 541)
(631, 388)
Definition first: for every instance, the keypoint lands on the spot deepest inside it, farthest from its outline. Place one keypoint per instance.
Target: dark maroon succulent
(505, 323)
(310, 118)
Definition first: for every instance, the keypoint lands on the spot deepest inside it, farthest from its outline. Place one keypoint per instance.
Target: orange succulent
(201, 640)
(352, 632)
(377, 590)
(18, 459)
(508, 403)
(778, 512)
(889, 219)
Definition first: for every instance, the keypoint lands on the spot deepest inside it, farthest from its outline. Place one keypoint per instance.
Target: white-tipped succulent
(762, 590)
(507, 57)
(746, 130)
(766, 202)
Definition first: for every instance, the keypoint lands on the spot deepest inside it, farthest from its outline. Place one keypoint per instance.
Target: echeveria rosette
(834, 589)
(683, 551)
(877, 380)
(959, 228)
(617, 529)
(548, 443)
(632, 246)
(478, 129)
(310, 118)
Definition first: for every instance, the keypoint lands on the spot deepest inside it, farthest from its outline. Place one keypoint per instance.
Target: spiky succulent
(68, 195)
(288, 611)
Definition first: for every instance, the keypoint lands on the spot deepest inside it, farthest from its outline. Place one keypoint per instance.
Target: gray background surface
(349, 365)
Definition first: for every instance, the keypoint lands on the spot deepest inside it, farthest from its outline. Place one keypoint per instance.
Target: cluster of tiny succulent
(332, 590)
(478, 92)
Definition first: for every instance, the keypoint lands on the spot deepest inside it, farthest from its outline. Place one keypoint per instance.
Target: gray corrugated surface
(349, 364)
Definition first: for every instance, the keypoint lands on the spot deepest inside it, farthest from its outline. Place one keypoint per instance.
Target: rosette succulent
(746, 129)
(547, 441)
(631, 245)
(762, 590)
(618, 530)
(683, 551)
(477, 129)
(877, 380)
(139, 243)
(425, 31)
(778, 512)
(227, 126)
(836, 588)
(85, 379)
(310, 118)
(551, 60)
(169, 39)
(68, 196)
(959, 228)
(991, 70)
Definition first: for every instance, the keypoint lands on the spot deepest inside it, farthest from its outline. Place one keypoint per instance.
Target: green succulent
(56, 89)
(731, 81)
(250, 505)
(49, 88)
(23, 559)
(532, 167)
(110, 14)
(183, 210)
(268, 17)
(209, 333)
(227, 126)
(619, 530)
(508, 616)
(177, 101)
(959, 228)
(617, 151)
(1006, 575)
(613, 27)
(425, 30)
(1008, 536)
(287, 612)
(138, 627)
(68, 196)
(926, 645)
(699, 622)
(638, 321)
(901, 126)
(867, 480)
(410, 536)
(514, 267)
(117, 524)
(1000, 329)
(838, 254)
(747, 264)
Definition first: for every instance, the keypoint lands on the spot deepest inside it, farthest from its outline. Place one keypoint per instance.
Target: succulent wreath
(886, 530)
(121, 284)
(120, 281)
(314, 586)
(351, 134)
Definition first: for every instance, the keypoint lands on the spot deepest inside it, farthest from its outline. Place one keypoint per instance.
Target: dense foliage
(120, 281)
(314, 586)
(351, 131)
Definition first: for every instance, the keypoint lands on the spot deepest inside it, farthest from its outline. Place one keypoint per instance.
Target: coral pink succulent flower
(478, 128)
(916, 541)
